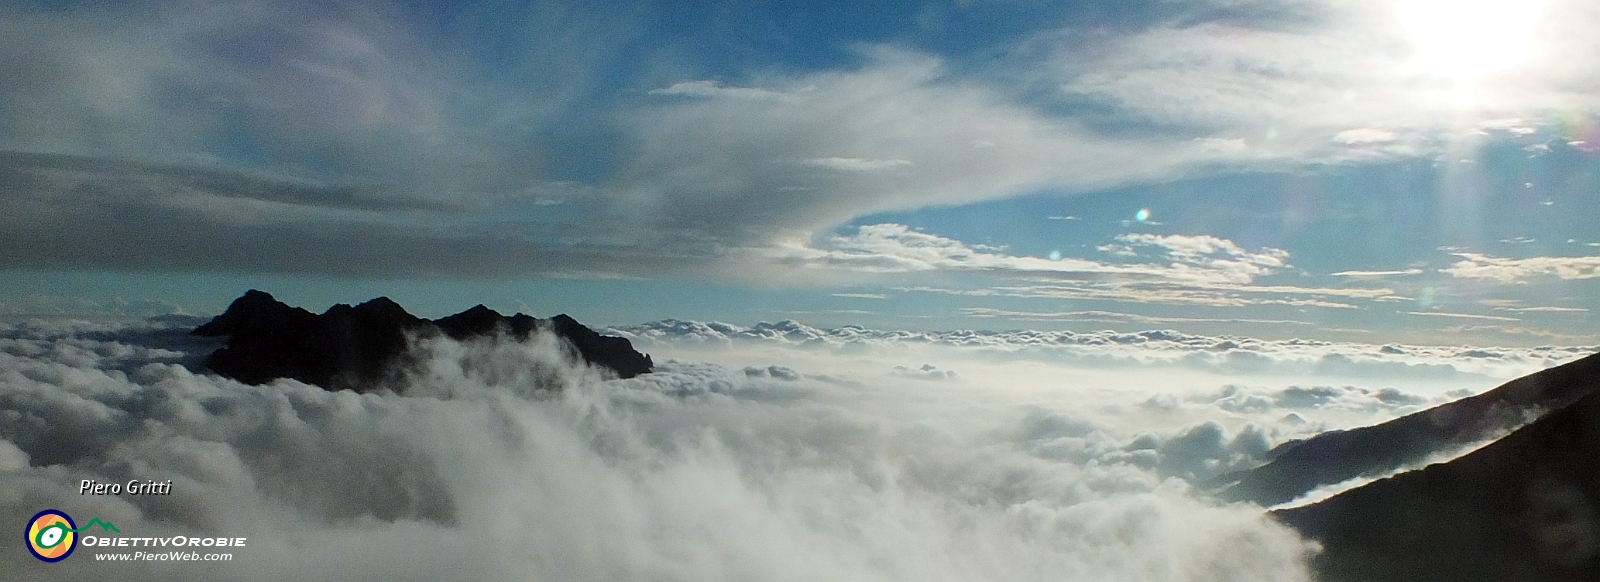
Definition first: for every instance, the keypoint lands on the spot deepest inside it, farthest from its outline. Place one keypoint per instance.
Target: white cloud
(1364, 135)
(1518, 333)
(1236, 397)
(369, 141)
(1376, 274)
(42, 305)
(1220, 255)
(696, 472)
(425, 192)
(166, 83)
(1146, 349)
(1505, 270)
(1175, 294)
(860, 295)
(699, 160)
(1110, 317)
(1224, 145)
(890, 248)
(11, 457)
(1462, 315)
(775, 450)
(1164, 269)
(715, 89)
(926, 372)
(776, 372)
(854, 164)
(1173, 269)
(1339, 82)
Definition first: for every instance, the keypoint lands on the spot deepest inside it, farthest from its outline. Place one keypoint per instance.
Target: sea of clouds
(777, 452)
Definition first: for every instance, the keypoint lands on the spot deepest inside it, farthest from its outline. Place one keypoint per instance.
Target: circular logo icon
(50, 535)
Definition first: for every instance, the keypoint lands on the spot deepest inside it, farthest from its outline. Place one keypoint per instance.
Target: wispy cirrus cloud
(1518, 333)
(1462, 315)
(902, 130)
(854, 164)
(1507, 270)
(1158, 269)
(431, 170)
(713, 89)
(1364, 135)
(1169, 294)
(1376, 274)
(861, 295)
(890, 248)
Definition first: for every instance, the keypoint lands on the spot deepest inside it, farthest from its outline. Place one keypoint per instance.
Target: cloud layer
(701, 471)
(1229, 355)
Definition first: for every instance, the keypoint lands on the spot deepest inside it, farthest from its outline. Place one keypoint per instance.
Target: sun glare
(1463, 40)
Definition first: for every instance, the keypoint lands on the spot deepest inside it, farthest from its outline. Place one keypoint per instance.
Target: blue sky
(1413, 171)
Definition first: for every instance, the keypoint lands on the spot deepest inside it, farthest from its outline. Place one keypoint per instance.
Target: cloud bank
(1157, 348)
(506, 459)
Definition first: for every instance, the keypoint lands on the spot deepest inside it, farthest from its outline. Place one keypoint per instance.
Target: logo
(52, 535)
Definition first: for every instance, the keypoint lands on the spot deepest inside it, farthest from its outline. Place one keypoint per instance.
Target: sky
(1415, 171)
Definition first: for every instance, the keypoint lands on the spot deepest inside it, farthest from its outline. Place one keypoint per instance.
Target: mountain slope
(1336, 456)
(1524, 508)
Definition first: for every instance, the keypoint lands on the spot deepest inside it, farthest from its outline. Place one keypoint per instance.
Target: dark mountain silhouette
(1525, 508)
(1341, 455)
(363, 346)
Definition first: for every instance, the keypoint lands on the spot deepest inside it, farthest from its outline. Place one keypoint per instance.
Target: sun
(1466, 40)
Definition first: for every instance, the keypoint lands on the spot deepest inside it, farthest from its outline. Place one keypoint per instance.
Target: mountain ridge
(1336, 456)
(361, 347)
(1523, 508)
